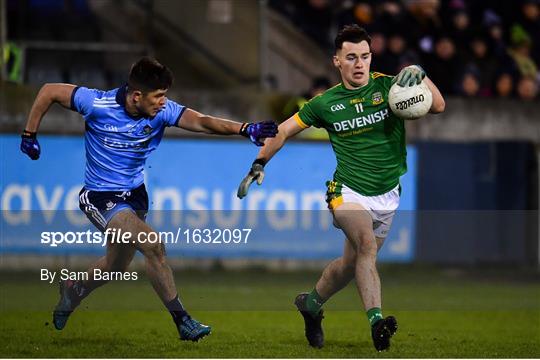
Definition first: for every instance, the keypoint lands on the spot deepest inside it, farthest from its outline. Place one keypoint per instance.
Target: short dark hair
(148, 74)
(351, 33)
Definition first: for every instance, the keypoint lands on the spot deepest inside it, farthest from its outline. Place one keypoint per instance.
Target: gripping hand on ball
(255, 173)
(257, 132)
(410, 75)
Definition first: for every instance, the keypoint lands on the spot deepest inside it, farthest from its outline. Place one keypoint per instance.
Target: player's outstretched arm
(48, 94)
(194, 121)
(287, 129)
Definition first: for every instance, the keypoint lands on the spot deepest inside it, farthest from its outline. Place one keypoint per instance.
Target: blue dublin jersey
(117, 144)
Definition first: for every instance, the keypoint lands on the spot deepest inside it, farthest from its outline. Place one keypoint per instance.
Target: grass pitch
(440, 313)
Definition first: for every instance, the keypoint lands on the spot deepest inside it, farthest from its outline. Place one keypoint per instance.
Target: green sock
(374, 315)
(314, 302)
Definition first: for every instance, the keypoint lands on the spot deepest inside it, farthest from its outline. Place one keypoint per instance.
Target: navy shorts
(101, 206)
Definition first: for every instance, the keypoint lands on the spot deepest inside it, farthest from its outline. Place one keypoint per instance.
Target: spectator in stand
(470, 84)
(461, 30)
(389, 13)
(380, 57)
(360, 13)
(479, 56)
(499, 40)
(421, 21)
(527, 88)
(529, 18)
(492, 22)
(396, 46)
(459, 27)
(443, 65)
(504, 85)
(495, 38)
(520, 52)
(398, 52)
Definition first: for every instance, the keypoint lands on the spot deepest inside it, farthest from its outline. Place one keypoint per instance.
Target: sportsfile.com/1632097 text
(111, 235)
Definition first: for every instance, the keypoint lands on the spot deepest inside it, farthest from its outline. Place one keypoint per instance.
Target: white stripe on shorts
(90, 208)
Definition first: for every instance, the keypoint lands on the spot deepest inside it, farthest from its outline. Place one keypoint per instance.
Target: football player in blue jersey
(123, 126)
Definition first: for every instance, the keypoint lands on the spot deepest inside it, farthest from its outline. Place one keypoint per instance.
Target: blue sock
(176, 309)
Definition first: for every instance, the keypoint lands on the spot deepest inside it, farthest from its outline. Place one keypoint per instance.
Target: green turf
(441, 314)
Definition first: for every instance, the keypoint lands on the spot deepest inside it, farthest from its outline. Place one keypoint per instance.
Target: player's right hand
(30, 145)
(257, 132)
(410, 76)
(255, 173)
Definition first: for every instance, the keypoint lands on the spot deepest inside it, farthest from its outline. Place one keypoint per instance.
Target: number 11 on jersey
(359, 107)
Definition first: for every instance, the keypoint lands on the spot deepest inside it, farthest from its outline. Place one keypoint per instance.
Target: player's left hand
(255, 173)
(256, 132)
(410, 75)
(30, 145)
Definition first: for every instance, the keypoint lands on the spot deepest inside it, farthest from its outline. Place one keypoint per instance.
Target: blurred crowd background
(468, 48)
(472, 48)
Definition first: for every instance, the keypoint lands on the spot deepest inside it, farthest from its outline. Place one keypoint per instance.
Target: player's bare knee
(154, 252)
(365, 245)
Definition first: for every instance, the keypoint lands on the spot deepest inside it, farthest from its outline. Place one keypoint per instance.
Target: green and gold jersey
(367, 138)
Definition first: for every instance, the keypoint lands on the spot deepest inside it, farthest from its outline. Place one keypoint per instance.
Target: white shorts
(381, 207)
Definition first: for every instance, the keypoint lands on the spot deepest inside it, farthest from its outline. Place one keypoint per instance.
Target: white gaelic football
(410, 102)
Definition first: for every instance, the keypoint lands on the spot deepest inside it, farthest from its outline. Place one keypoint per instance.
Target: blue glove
(30, 145)
(256, 132)
(410, 75)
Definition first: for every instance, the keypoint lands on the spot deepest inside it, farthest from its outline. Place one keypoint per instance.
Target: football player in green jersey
(369, 143)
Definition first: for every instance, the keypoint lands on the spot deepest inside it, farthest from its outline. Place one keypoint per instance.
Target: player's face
(353, 61)
(150, 103)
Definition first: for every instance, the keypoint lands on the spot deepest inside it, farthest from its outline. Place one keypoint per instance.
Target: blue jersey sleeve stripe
(72, 105)
(179, 116)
